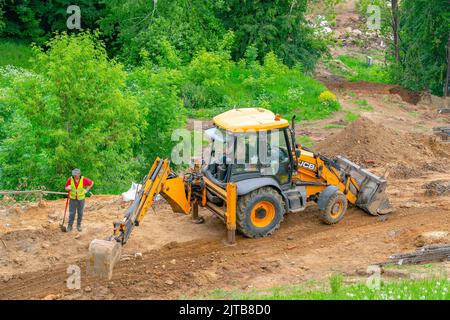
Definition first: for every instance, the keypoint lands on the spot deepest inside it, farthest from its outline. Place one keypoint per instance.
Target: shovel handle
(67, 203)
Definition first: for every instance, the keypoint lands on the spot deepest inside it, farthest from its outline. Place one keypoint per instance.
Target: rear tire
(259, 213)
(335, 209)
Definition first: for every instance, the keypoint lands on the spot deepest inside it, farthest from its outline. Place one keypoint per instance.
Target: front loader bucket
(103, 255)
(372, 196)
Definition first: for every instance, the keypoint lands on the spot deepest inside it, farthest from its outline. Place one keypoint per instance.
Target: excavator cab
(238, 156)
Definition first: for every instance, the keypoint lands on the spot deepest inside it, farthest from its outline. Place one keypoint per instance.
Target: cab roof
(245, 119)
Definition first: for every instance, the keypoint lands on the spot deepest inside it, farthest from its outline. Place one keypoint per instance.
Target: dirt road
(195, 267)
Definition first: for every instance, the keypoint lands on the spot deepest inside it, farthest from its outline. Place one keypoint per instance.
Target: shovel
(62, 226)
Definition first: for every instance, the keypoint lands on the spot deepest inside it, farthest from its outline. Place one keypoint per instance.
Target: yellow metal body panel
(231, 206)
(312, 169)
(175, 194)
(204, 198)
(152, 188)
(249, 119)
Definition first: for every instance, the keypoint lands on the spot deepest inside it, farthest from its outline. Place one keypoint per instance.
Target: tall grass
(363, 72)
(357, 69)
(15, 53)
(430, 289)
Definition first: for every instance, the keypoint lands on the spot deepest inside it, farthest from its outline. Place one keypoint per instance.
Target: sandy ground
(168, 256)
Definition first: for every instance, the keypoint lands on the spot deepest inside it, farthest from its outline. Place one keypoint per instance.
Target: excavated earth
(168, 256)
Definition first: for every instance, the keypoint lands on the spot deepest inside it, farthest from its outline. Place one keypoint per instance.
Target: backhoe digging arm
(151, 186)
(103, 254)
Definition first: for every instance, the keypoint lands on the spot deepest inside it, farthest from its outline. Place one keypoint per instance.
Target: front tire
(259, 213)
(335, 209)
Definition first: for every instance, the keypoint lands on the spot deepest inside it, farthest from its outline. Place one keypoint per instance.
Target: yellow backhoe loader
(255, 174)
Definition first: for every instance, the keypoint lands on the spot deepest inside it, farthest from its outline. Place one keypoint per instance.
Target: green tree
(423, 34)
(184, 25)
(8, 76)
(279, 26)
(76, 112)
(2, 22)
(36, 20)
(161, 109)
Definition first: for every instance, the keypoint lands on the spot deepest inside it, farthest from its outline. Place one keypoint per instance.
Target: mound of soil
(333, 82)
(402, 171)
(437, 188)
(406, 95)
(364, 142)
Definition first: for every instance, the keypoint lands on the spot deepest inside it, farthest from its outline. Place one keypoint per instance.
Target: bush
(205, 77)
(8, 75)
(272, 85)
(161, 109)
(327, 97)
(329, 100)
(76, 112)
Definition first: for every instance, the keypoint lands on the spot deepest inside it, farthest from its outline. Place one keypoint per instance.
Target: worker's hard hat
(76, 172)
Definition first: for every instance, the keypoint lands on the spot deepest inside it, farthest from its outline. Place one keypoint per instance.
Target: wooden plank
(431, 253)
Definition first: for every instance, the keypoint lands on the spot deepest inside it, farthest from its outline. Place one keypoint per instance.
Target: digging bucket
(103, 255)
(372, 196)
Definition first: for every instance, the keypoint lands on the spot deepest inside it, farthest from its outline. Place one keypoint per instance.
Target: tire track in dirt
(203, 265)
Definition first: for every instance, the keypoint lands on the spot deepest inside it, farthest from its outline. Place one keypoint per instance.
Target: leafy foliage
(364, 72)
(163, 30)
(16, 53)
(76, 112)
(8, 75)
(161, 109)
(278, 26)
(423, 40)
(329, 100)
(36, 20)
(213, 83)
(2, 22)
(185, 26)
